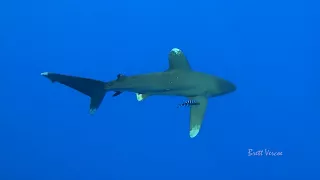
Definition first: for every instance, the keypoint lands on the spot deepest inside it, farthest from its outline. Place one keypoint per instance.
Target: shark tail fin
(90, 87)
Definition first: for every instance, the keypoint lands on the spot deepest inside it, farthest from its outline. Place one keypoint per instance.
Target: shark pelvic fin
(141, 97)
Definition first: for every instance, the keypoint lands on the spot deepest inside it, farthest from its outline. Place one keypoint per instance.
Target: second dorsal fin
(117, 93)
(120, 76)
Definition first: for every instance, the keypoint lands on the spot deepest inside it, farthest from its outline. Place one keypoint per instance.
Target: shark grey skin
(178, 80)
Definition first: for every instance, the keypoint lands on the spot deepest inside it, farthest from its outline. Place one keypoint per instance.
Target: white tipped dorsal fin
(141, 97)
(178, 61)
(176, 51)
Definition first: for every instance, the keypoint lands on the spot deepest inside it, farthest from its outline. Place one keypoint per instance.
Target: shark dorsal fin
(178, 61)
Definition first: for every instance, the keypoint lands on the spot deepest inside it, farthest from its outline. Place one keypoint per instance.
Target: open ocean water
(269, 49)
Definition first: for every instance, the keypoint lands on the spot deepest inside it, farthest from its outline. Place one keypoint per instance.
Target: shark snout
(232, 87)
(227, 86)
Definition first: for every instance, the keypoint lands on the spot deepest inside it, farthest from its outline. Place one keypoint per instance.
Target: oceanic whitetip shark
(178, 80)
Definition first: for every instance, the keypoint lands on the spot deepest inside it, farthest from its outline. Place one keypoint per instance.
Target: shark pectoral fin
(141, 97)
(197, 115)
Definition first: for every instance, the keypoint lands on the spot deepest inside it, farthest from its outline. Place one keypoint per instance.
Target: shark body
(178, 80)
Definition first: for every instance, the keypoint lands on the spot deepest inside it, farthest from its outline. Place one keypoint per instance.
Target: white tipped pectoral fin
(197, 113)
(141, 97)
(194, 131)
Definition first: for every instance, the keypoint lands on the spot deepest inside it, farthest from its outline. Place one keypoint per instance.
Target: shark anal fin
(117, 93)
(178, 61)
(197, 115)
(141, 97)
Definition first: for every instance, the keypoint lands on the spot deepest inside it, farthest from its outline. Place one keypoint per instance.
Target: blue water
(269, 49)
